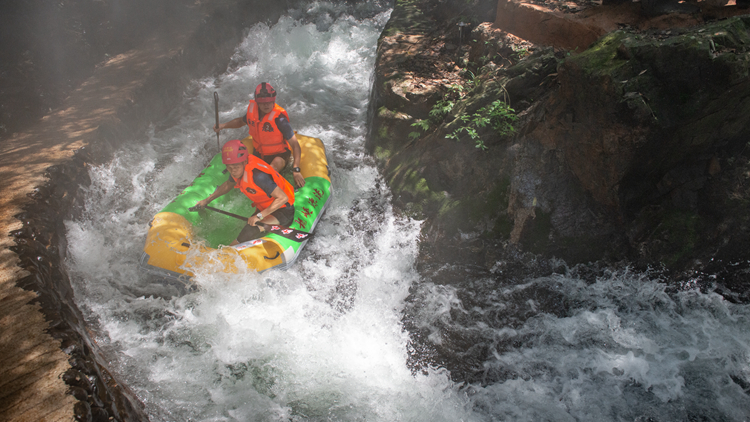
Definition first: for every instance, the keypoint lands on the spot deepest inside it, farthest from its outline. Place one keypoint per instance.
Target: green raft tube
(180, 242)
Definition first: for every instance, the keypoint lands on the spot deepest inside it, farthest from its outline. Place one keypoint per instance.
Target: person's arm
(232, 124)
(296, 154)
(286, 130)
(279, 199)
(222, 189)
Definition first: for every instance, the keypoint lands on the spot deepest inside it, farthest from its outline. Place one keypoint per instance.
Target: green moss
(407, 17)
(421, 185)
(388, 114)
(383, 132)
(403, 178)
(449, 207)
(413, 190)
(417, 186)
(730, 34)
(602, 57)
(393, 175)
(414, 210)
(452, 212)
(382, 153)
(472, 211)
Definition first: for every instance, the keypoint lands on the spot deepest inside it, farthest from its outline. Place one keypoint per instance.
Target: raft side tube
(172, 232)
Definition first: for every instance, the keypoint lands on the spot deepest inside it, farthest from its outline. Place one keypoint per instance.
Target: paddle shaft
(237, 216)
(216, 107)
(291, 234)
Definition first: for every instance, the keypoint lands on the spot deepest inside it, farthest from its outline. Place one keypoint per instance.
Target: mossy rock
(690, 68)
(408, 17)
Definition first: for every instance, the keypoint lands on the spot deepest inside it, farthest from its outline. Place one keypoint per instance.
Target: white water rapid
(325, 340)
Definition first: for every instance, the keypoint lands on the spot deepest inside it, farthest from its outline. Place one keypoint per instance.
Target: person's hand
(218, 128)
(298, 179)
(254, 221)
(201, 204)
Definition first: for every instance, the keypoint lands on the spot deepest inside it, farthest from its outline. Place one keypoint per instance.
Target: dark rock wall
(646, 124)
(631, 150)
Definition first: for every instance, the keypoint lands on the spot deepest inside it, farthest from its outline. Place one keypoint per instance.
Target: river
(352, 332)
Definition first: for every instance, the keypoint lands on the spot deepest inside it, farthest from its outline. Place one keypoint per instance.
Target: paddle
(285, 232)
(216, 107)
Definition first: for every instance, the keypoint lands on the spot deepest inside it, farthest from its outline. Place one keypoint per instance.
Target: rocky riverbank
(633, 150)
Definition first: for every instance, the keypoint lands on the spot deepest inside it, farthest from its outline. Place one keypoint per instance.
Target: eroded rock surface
(631, 149)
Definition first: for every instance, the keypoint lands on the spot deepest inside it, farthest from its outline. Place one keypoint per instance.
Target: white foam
(322, 340)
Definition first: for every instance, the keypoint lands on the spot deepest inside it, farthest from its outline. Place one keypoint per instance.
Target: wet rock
(82, 411)
(99, 415)
(633, 149)
(79, 393)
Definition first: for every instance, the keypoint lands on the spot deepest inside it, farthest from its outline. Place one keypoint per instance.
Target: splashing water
(619, 348)
(325, 340)
(321, 341)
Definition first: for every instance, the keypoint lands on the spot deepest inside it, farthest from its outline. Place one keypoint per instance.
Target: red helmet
(233, 152)
(264, 93)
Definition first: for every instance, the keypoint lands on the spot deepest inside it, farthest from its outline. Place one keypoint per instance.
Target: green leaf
(424, 125)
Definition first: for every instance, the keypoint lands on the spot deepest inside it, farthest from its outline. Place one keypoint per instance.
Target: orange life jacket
(247, 185)
(267, 138)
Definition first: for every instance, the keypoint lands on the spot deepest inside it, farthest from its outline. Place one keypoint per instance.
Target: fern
(424, 125)
(501, 117)
(441, 108)
(497, 115)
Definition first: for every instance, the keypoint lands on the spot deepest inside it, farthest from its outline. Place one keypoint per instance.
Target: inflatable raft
(179, 240)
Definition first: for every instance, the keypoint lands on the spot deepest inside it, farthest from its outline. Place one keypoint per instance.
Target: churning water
(326, 339)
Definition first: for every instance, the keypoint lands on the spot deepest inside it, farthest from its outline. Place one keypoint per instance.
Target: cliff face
(633, 149)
